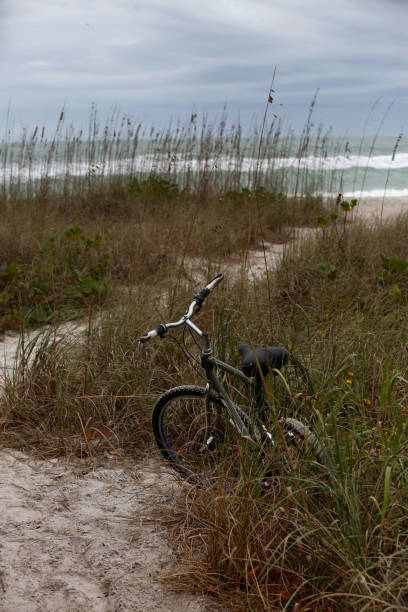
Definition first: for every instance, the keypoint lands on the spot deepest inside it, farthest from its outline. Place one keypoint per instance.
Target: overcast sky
(158, 59)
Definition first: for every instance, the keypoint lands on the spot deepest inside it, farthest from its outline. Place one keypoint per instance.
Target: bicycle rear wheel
(300, 445)
(199, 443)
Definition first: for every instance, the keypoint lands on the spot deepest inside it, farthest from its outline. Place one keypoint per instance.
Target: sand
(80, 537)
(79, 534)
(375, 207)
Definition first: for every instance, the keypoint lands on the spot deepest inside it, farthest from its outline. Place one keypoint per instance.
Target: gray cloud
(150, 56)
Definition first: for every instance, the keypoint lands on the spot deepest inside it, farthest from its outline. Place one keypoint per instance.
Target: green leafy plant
(394, 263)
(68, 273)
(348, 206)
(326, 269)
(154, 187)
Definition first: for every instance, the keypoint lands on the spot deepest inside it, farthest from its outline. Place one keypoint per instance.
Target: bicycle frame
(235, 413)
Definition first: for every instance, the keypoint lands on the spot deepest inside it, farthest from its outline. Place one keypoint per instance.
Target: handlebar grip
(148, 336)
(200, 297)
(214, 282)
(160, 330)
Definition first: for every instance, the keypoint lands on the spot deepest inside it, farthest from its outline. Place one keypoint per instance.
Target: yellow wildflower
(348, 381)
(366, 401)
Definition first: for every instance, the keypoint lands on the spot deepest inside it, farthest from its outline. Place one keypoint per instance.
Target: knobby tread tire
(181, 391)
(304, 433)
(193, 391)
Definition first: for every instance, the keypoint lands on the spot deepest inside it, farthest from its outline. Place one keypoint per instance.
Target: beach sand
(385, 207)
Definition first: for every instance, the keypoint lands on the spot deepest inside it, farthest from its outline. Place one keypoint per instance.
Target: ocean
(374, 168)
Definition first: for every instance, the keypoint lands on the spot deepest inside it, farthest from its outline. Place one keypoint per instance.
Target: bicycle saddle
(268, 357)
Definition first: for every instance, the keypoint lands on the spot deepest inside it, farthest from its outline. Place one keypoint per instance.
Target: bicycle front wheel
(198, 440)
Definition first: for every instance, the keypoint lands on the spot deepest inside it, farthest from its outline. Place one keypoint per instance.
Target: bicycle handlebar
(215, 281)
(194, 307)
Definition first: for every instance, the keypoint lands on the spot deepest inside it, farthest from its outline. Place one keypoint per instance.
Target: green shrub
(68, 273)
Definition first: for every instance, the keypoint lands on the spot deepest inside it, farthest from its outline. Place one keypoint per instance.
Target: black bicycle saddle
(268, 357)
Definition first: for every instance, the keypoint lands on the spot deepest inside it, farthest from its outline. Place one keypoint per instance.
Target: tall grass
(200, 156)
(320, 538)
(331, 537)
(133, 190)
(336, 538)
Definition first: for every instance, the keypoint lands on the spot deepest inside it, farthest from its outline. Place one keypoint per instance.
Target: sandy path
(76, 535)
(79, 538)
(10, 343)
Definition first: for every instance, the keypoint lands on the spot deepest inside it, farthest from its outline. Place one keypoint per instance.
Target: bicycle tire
(306, 442)
(178, 422)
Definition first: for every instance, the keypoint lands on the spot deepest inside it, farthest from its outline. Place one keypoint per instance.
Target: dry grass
(136, 192)
(336, 538)
(341, 309)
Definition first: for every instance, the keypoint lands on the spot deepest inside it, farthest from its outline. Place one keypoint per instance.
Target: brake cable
(190, 358)
(194, 340)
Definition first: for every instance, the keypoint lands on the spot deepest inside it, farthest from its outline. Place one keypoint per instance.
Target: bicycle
(198, 429)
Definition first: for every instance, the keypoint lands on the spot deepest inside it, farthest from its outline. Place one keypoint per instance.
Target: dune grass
(336, 539)
(117, 250)
(107, 206)
(333, 538)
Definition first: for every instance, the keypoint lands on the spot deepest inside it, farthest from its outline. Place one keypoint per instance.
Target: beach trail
(77, 534)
